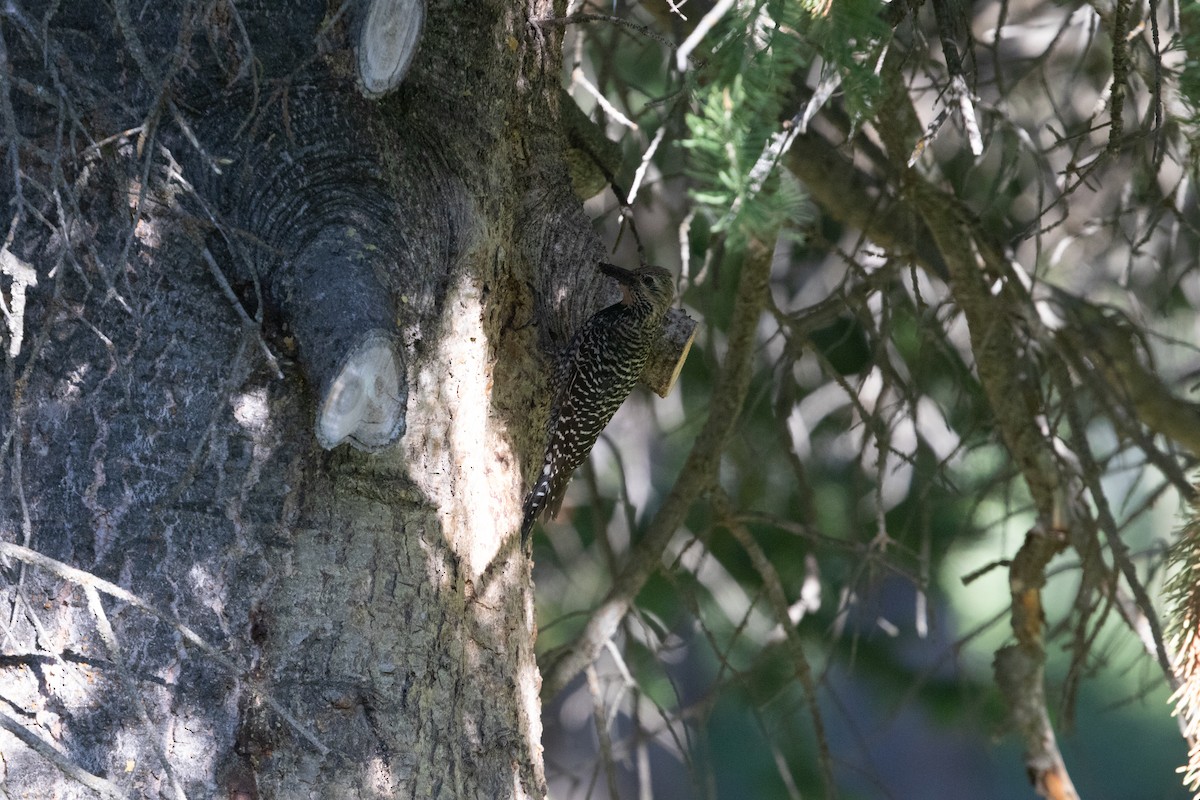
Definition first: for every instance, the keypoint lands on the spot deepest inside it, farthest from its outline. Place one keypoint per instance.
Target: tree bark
(211, 604)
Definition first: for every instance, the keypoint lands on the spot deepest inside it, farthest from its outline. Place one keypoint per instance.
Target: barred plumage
(596, 373)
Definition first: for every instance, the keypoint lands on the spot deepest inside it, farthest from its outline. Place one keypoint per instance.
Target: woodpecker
(593, 377)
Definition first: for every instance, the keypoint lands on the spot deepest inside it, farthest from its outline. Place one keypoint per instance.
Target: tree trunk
(256, 616)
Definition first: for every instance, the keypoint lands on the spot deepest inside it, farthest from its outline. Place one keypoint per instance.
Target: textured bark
(302, 623)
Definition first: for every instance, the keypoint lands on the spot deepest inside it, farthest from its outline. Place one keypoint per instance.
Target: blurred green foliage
(866, 465)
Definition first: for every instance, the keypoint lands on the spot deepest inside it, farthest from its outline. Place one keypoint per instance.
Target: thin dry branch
(1090, 476)
(109, 637)
(1120, 71)
(1003, 372)
(600, 718)
(251, 327)
(1016, 402)
(952, 26)
(1107, 339)
(620, 22)
(1020, 667)
(99, 785)
(773, 586)
(850, 195)
(92, 583)
(993, 299)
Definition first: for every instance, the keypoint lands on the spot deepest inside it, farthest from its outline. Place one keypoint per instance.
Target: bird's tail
(535, 501)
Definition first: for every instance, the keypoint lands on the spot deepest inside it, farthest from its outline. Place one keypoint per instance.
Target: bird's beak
(621, 276)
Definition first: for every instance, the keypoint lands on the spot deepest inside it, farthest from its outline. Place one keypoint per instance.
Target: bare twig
(574, 19)
(89, 581)
(1108, 340)
(579, 79)
(251, 327)
(1020, 667)
(773, 586)
(851, 195)
(600, 718)
(59, 759)
(13, 137)
(698, 33)
(1091, 475)
(1120, 71)
(109, 637)
(952, 27)
(640, 174)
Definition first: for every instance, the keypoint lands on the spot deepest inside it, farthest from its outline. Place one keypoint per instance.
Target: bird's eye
(647, 280)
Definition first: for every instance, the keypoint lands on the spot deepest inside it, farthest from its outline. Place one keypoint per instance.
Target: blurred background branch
(981, 312)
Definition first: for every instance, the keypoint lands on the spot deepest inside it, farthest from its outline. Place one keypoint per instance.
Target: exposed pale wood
(666, 360)
(363, 405)
(387, 41)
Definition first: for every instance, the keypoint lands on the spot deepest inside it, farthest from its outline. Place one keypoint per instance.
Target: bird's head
(648, 288)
